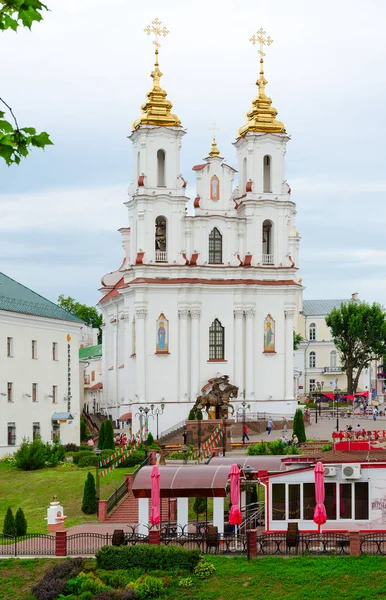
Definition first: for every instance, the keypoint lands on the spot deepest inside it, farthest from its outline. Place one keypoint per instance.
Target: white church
(206, 294)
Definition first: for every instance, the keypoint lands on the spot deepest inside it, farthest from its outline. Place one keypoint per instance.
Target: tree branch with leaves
(16, 142)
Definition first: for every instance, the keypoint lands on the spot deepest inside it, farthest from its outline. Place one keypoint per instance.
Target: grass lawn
(33, 491)
(268, 578)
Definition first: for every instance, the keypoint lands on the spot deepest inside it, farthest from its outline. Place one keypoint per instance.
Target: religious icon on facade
(269, 334)
(133, 351)
(162, 343)
(214, 188)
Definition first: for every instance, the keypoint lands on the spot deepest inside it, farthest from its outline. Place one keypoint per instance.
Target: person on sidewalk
(269, 425)
(184, 436)
(245, 434)
(284, 424)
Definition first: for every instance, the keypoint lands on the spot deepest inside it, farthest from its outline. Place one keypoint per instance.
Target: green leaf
(6, 153)
(5, 126)
(29, 130)
(27, 17)
(41, 140)
(9, 23)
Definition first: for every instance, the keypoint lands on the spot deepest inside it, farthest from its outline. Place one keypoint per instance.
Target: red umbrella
(320, 516)
(235, 517)
(155, 496)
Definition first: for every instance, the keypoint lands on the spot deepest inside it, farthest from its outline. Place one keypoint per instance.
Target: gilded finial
(262, 117)
(214, 150)
(156, 110)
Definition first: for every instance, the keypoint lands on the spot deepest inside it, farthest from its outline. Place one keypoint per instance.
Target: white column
(249, 354)
(218, 514)
(289, 354)
(140, 348)
(182, 511)
(239, 350)
(126, 352)
(184, 354)
(143, 515)
(113, 393)
(195, 354)
(105, 378)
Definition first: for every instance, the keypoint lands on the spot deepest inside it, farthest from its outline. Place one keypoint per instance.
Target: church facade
(205, 294)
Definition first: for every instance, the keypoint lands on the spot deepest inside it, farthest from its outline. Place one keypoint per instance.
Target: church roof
(15, 297)
(90, 352)
(321, 307)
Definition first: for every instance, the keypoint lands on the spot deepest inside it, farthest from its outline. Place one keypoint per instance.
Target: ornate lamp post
(319, 389)
(336, 396)
(243, 407)
(157, 412)
(144, 414)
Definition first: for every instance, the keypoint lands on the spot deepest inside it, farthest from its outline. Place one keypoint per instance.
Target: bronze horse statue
(219, 397)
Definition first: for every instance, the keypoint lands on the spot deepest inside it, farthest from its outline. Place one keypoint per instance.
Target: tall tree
(298, 425)
(359, 332)
(15, 141)
(89, 504)
(108, 443)
(89, 314)
(9, 527)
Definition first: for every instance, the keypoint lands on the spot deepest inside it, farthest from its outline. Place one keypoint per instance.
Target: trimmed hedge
(85, 458)
(136, 458)
(148, 557)
(55, 580)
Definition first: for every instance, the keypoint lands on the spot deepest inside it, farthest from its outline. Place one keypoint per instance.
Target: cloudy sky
(83, 72)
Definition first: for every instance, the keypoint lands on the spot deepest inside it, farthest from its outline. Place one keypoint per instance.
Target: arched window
(333, 358)
(267, 174)
(268, 257)
(215, 188)
(161, 168)
(312, 332)
(216, 341)
(160, 240)
(215, 247)
(312, 360)
(244, 175)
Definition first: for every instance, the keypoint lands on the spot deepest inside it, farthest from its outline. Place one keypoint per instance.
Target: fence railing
(30, 544)
(373, 543)
(209, 543)
(175, 427)
(324, 543)
(118, 494)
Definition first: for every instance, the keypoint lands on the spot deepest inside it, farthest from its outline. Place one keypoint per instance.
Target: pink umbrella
(320, 516)
(155, 496)
(235, 517)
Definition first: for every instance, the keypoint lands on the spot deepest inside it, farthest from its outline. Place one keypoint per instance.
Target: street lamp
(319, 389)
(97, 486)
(157, 412)
(144, 413)
(336, 396)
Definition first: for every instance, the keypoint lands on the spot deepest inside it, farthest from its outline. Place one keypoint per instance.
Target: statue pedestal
(202, 430)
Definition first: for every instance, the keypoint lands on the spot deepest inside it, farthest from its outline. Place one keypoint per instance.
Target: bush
(31, 455)
(298, 425)
(54, 453)
(136, 458)
(148, 587)
(120, 577)
(20, 522)
(127, 594)
(9, 460)
(186, 582)
(278, 447)
(204, 569)
(176, 455)
(108, 443)
(83, 430)
(89, 504)
(293, 450)
(87, 461)
(9, 527)
(71, 448)
(147, 557)
(86, 582)
(150, 439)
(77, 457)
(199, 505)
(101, 436)
(258, 449)
(55, 580)
(327, 447)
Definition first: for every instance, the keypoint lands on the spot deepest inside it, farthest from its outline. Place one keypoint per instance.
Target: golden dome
(214, 151)
(262, 116)
(157, 109)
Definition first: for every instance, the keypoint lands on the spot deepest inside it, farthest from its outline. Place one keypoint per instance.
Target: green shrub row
(276, 447)
(148, 557)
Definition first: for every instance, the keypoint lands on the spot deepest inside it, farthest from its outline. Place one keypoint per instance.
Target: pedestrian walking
(269, 425)
(284, 424)
(184, 436)
(375, 413)
(245, 434)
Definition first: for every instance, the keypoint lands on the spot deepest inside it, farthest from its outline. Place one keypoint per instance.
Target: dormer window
(215, 188)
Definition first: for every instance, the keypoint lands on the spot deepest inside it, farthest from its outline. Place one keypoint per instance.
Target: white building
(210, 293)
(90, 358)
(39, 368)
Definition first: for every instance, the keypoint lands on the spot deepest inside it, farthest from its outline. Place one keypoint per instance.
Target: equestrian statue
(219, 397)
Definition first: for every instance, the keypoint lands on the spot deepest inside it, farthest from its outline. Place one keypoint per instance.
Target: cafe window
(361, 500)
(294, 501)
(278, 502)
(309, 501)
(345, 501)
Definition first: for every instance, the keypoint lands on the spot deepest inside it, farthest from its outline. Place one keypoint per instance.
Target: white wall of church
(22, 371)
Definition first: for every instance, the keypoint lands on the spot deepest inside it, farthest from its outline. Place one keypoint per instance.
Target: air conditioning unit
(329, 471)
(351, 472)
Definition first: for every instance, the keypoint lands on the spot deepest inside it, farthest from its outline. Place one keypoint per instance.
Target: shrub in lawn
(136, 458)
(293, 450)
(150, 439)
(277, 447)
(87, 461)
(108, 443)
(71, 448)
(199, 505)
(147, 557)
(9, 460)
(186, 582)
(54, 453)
(127, 594)
(258, 449)
(101, 436)
(55, 580)
(20, 522)
(86, 582)
(327, 447)
(89, 504)
(120, 577)
(31, 455)
(204, 569)
(83, 430)
(148, 587)
(298, 425)
(9, 527)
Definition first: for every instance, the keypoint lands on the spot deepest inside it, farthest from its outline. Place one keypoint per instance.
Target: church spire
(262, 116)
(156, 109)
(214, 150)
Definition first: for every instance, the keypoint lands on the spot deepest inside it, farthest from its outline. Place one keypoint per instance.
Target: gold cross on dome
(213, 128)
(259, 38)
(155, 27)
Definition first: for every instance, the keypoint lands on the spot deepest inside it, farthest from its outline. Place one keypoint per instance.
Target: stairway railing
(121, 492)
